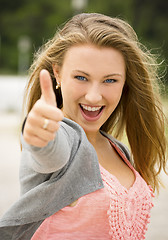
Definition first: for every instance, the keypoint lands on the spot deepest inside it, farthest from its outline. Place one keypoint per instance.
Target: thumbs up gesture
(43, 119)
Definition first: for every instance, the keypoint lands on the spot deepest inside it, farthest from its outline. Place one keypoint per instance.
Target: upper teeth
(93, 109)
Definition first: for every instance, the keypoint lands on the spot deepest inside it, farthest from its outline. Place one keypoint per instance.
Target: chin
(90, 129)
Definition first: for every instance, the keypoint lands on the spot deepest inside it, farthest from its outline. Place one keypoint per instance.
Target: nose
(93, 95)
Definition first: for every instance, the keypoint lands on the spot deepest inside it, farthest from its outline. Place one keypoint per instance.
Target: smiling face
(92, 80)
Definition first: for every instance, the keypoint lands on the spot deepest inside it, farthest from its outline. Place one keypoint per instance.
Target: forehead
(91, 56)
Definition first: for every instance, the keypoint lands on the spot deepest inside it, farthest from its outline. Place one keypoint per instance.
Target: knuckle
(27, 138)
(37, 103)
(56, 127)
(30, 117)
(38, 106)
(50, 137)
(60, 113)
(43, 144)
(53, 136)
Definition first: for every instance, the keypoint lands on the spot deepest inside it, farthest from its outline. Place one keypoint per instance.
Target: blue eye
(81, 78)
(110, 80)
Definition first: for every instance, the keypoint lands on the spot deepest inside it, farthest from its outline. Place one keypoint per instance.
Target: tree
(39, 20)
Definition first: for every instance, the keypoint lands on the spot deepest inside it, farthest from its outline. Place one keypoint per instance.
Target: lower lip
(91, 119)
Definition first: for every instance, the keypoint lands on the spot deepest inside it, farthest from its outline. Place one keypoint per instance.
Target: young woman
(93, 79)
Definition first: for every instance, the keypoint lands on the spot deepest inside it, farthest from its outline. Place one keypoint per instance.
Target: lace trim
(129, 210)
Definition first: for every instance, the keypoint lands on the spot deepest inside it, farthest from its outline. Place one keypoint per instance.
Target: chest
(116, 164)
(109, 213)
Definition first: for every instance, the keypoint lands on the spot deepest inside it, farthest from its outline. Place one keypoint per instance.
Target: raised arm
(45, 149)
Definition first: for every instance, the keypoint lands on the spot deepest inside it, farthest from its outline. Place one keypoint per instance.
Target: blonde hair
(139, 111)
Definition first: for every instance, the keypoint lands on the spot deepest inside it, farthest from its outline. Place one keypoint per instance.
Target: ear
(56, 71)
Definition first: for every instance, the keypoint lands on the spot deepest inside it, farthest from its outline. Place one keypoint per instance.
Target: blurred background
(27, 24)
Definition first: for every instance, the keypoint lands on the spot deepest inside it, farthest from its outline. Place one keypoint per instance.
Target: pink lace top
(113, 212)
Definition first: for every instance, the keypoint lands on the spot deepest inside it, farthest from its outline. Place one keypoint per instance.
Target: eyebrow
(109, 75)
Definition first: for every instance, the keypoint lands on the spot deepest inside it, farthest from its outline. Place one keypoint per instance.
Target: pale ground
(9, 184)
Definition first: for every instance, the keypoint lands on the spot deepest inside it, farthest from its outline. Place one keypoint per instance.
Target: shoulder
(120, 145)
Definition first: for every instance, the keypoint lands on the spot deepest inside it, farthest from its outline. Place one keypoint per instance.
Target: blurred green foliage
(39, 20)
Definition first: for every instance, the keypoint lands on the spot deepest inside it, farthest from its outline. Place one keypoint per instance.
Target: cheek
(114, 96)
(71, 93)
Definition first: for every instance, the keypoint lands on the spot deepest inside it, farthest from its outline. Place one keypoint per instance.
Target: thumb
(47, 92)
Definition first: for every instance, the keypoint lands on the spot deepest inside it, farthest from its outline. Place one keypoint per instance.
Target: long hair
(139, 111)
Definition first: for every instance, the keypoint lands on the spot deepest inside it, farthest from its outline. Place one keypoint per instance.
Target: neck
(94, 138)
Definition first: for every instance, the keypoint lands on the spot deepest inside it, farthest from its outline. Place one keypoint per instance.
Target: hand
(44, 112)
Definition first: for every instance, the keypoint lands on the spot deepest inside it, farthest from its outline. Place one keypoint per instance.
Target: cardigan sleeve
(52, 157)
(43, 194)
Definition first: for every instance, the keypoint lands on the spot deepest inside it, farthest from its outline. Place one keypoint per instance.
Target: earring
(58, 86)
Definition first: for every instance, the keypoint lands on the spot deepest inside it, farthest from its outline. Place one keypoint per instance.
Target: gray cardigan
(52, 178)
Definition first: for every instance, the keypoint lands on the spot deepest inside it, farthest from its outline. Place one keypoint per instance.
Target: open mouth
(91, 113)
